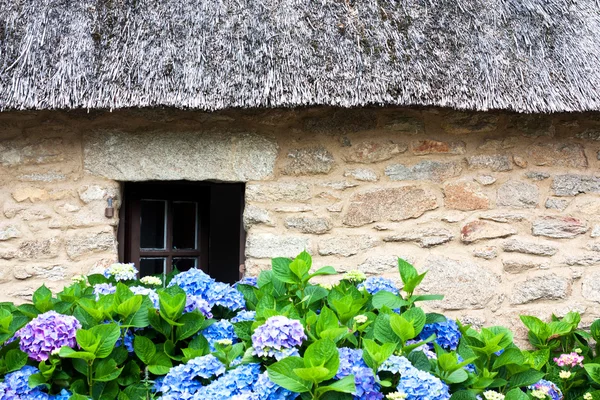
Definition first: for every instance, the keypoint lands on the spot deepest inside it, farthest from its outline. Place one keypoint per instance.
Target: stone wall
(501, 208)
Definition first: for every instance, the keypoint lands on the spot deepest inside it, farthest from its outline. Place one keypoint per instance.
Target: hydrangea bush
(279, 336)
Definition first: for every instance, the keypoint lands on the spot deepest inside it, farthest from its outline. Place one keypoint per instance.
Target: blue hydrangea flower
(549, 388)
(238, 381)
(277, 334)
(468, 367)
(374, 284)
(244, 316)
(248, 280)
(63, 395)
(182, 381)
(425, 348)
(222, 294)
(266, 389)
(16, 386)
(127, 341)
(219, 330)
(351, 363)
(447, 334)
(194, 282)
(417, 384)
(151, 293)
(197, 303)
(103, 289)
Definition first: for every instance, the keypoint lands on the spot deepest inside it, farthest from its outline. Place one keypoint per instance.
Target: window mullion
(169, 230)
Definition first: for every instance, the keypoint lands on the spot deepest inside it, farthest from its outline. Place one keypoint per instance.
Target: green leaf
(67, 352)
(313, 294)
(107, 334)
(327, 320)
(42, 299)
(299, 268)
(516, 394)
(15, 359)
(36, 380)
(144, 348)
(420, 361)
(314, 374)
(107, 370)
(536, 326)
(159, 324)
(160, 364)
(387, 299)
(595, 330)
(87, 340)
(322, 353)
(281, 270)
(76, 396)
(378, 353)
(323, 271)
(344, 385)
(593, 371)
(171, 303)
(407, 271)
(463, 395)
(281, 373)
(525, 378)
(510, 356)
(192, 322)
(460, 375)
(403, 328)
(416, 316)
(129, 306)
(382, 331)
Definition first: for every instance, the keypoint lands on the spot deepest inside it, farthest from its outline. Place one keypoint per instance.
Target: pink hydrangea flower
(569, 360)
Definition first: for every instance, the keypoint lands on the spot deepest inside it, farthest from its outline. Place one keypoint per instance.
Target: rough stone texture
(517, 194)
(483, 230)
(427, 237)
(569, 155)
(464, 284)
(485, 180)
(544, 287)
(425, 170)
(424, 147)
(346, 246)
(254, 215)
(557, 204)
(531, 125)
(465, 196)
(495, 162)
(338, 185)
(362, 174)
(520, 161)
(230, 157)
(504, 217)
(268, 245)
(9, 231)
(537, 176)
(277, 192)
(590, 288)
(408, 125)
(32, 150)
(83, 245)
(309, 161)
(463, 123)
(38, 249)
(91, 193)
(559, 227)
(584, 260)
(518, 266)
(595, 231)
(572, 185)
(379, 264)
(520, 245)
(394, 204)
(589, 134)
(30, 193)
(314, 225)
(373, 151)
(487, 253)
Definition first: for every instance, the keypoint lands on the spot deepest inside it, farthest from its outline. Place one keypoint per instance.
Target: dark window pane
(183, 264)
(153, 224)
(184, 225)
(152, 266)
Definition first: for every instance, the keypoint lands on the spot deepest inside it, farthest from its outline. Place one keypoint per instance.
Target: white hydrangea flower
(151, 281)
(121, 271)
(492, 395)
(588, 396)
(564, 374)
(538, 394)
(224, 342)
(361, 319)
(396, 396)
(355, 276)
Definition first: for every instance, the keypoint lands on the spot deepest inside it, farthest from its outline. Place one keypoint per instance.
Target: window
(183, 225)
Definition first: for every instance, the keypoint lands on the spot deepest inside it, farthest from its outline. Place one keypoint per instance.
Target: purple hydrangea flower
(219, 330)
(549, 388)
(244, 316)
(416, 384)
(197, 303)
(104, 289)
(194, 282)
(46, 333)
(278, 333)
(16, 386)
(182, 381)
(425, 348)
(222, 294)
(374, 284)
(351, 363)
(151, 293)
(447, 334)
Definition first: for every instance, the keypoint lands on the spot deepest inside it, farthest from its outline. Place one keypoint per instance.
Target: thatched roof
(524, 55)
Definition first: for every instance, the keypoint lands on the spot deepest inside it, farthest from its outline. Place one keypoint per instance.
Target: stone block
(427, 237)
(487, 252)
(373, 151)
(461, 123)
(424, 147)
(537, 175)
(544, 287)
(166, 155)
(379, 264)
(362, 174)
(392, 204)
(42, 177)
(465, 196)
(589, 134)
(9, 231)
(531, 125)
(268, 245)
(347, 245)
(485, 180)
(583, 259)
(516, 266)
(590, 288)
(30, 193)
(405, 124)
(518, 194)
(428, 170)
(85, 244)
(313, 225)
(520, 245)
(483, 230)
(464, 284)
(38, 249)
(91, 193)
(255, 215)
(556, 204)
(570, 155)
(559, 227)
(338, 185)
(309, 161)
(572, 185)
(31, 151)
(283, 191)
(493, 162)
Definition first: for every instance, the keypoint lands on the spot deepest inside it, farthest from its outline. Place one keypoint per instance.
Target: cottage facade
(464, 138)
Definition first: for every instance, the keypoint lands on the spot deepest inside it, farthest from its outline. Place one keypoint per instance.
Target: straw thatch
(525, 55)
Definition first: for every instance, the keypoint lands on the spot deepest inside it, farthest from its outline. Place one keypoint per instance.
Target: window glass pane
(153, 224)
(185, 226)
(152, 266)
(183, 264)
